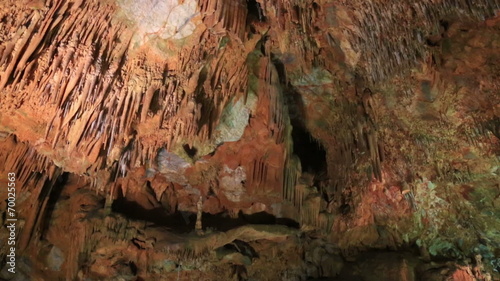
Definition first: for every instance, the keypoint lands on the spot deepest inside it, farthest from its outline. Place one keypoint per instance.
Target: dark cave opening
(54, 194)
(133, 268)
(310, 151)
(156, 102)
(280, 68)
(255, 11)
(190, 150)
(184, 222)
(147, 209)
(222, 222)
(316, 7)
(240, 247)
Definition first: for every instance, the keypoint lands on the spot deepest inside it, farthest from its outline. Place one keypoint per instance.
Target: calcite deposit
(250, 139)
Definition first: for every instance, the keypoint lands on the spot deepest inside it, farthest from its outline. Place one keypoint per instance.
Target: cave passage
(311, 153)
(255, 10)
(184, 222)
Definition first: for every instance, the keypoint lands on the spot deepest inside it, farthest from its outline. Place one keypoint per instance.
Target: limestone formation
(250, 139)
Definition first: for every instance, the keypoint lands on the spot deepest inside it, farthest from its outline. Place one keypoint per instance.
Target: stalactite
(378, 32)
(36, 218)
(35, 175)
(231, 14)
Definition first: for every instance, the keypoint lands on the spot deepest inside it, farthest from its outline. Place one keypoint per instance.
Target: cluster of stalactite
(358, 144)
(62, 64)
(92, 93)
(291, 176)
(267, 169)
(102, 105)
(89, 233)
(392, 38)
(366, 31)
(296, 18)
(230, 15)
(93, 233)
(35, 176)
(71, 65)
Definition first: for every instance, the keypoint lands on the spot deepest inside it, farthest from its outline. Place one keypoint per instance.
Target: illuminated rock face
(311, 137)
(163, 19)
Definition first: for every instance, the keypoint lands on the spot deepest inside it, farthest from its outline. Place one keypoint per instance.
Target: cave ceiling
(251, 139)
